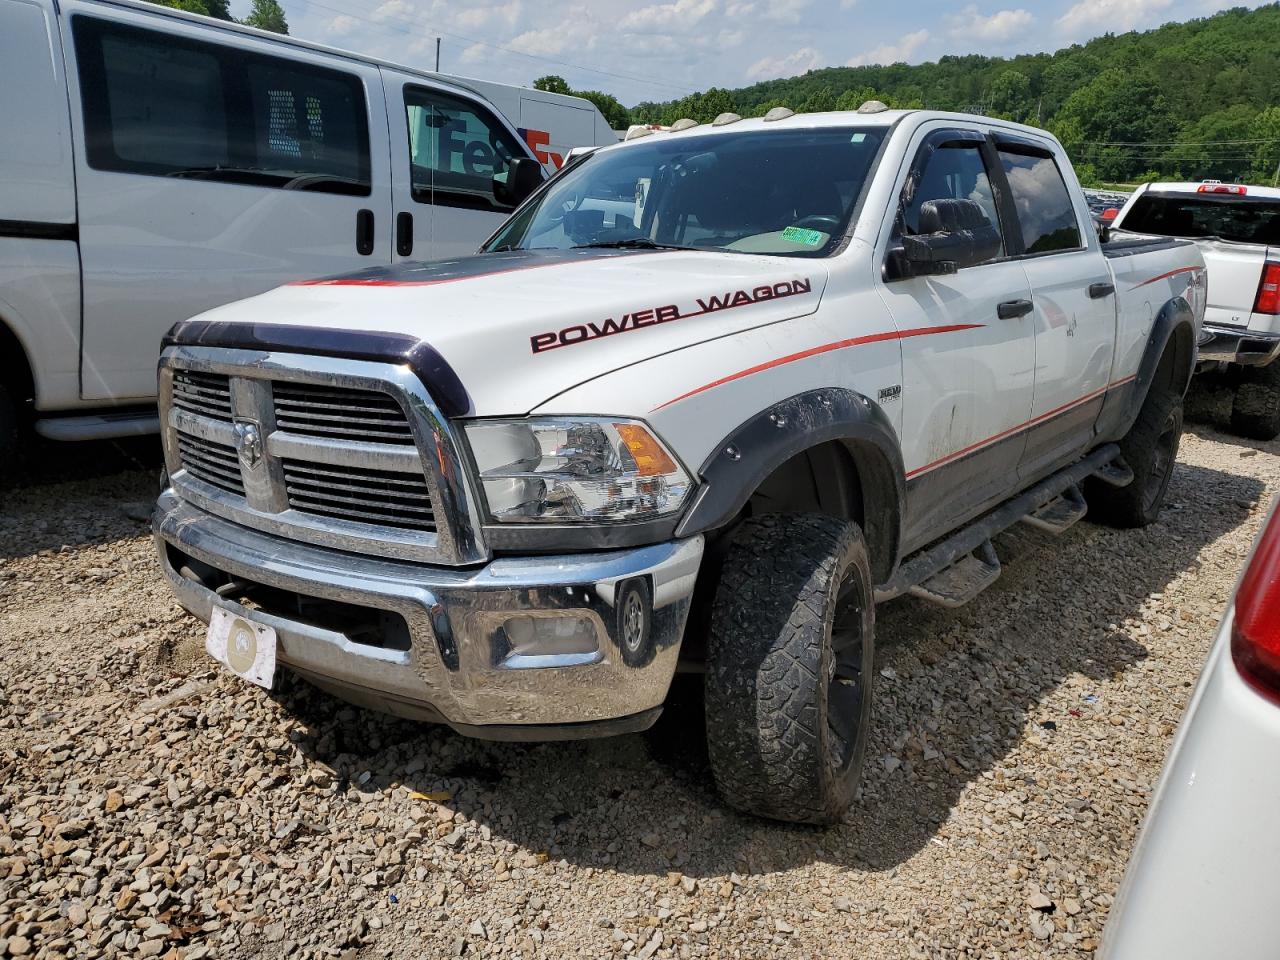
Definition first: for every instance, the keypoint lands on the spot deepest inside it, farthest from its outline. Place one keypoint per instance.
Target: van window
(952, 173)
(1045, 212)
(169, 106)
(456, 150)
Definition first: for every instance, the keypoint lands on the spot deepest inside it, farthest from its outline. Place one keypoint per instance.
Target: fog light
(550, 636)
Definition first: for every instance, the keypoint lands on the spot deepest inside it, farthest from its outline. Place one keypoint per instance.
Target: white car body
(967, 388)
(105, 242)
(1201, 880)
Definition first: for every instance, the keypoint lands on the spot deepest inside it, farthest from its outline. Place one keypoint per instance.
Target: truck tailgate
(1234, 272)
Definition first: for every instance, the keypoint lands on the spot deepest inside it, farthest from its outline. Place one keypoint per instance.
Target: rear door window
(1045, 211)
(456, 150)
(1240, 219)
(169, 106)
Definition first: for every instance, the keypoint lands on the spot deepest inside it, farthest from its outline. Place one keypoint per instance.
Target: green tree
(267, 15)
(1114, 122)
(618, 116)
(1010, 95)
(552, 84)
(1266, 155)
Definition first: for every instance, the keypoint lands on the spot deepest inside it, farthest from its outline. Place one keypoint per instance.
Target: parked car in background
(1237, 227)
(1104, 205)
(1202, 879)
(753, 376)
(156, 164)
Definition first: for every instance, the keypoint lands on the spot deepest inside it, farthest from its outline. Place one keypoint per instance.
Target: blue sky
(640, 50)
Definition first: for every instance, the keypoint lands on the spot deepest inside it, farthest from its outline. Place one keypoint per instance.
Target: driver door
(968, 355)
(446, 150)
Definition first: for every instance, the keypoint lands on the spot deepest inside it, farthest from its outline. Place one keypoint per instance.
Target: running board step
(1117, 473)
(1060, 513)
(963, 580)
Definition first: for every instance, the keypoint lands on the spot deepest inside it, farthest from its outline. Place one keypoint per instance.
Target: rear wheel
(789, 668)
(1255, 412)
(1150, 448)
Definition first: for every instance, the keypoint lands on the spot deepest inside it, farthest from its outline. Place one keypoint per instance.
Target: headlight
(579, 469)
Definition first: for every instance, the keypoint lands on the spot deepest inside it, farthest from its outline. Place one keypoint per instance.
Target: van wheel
(1150, 448)
(789, 668)
(9, 435)
(1255, 412)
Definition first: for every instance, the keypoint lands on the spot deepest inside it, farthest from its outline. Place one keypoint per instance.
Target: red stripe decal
(815, 351)
(1166, 276)
(1020, 427)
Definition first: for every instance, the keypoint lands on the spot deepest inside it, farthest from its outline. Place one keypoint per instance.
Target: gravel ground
(153, 806)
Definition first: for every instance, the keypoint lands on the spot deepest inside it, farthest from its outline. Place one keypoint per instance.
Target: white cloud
(770, 68)
(341, 25)
(394, 10)
(663, 17)
(901, 52)
(998, 28)
(500, 15)
(848, 4)
(1089, 18)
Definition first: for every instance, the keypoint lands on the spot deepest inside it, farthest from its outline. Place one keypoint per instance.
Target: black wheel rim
(1161, 466)
(846, 683)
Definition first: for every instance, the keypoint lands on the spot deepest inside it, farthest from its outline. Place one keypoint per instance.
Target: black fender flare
(1174, 325)
(762, 444)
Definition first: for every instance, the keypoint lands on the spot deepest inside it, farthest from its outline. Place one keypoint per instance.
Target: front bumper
(452, 658)
(1240, 345)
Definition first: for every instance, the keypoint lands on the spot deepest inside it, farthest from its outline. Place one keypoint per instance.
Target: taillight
(1255, 635)
(1268, 299)
(1233, 188)
(1109, 214)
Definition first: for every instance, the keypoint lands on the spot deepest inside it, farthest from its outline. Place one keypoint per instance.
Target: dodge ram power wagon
(1237, 228)
(702, 402)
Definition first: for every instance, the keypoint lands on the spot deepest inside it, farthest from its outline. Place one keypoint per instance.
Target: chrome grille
(340, 413)
(214, 463)
(367, 496)
(204, 394)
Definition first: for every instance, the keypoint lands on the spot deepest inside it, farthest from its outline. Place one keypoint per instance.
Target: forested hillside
(1195, 100)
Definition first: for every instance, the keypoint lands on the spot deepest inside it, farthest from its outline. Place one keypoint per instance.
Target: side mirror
(953, 234)
(524, 175)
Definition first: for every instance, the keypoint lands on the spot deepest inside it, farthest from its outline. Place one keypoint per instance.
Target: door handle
(1099, 290)
(1013, 309)
(364, 232)
(404, 233)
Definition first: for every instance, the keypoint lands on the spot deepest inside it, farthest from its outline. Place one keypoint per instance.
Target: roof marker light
(778, 113)
(636, 132)
(873, 106)
(683, 124)
(725, 119)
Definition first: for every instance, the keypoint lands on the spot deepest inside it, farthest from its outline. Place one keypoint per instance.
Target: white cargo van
(156, 164)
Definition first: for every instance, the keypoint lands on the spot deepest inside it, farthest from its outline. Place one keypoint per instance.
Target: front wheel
(1255, 411)
(1150, 448)
(789, 668)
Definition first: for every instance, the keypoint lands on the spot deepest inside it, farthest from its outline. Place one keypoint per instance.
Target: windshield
(1228, 216)
(787, 192)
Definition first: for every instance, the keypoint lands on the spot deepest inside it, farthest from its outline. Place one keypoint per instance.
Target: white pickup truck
(1237, 228)
(708, 397)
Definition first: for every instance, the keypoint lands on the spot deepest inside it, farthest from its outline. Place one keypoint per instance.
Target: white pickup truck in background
(155, 164)
(708, 396)
(1237, 228)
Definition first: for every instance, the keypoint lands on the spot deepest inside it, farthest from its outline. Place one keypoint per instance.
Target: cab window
(457, 150)
(167, 106)
(1046, 215)
(952, 172)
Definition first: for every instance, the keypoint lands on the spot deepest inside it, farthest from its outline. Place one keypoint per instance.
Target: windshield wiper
(631, 243)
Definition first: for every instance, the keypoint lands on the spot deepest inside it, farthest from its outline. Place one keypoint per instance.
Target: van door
(966, 391)
(1075, 307)
(215, 166)
(447, 148)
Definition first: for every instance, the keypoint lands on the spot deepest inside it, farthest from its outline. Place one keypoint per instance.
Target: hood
(516, 329)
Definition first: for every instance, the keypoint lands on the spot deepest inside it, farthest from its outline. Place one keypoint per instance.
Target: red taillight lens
(1268, 299)
(1222, 188)
(1255, 635)
(1110, 213)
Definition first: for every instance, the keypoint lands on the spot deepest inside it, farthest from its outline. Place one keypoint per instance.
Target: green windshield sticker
(810, 238)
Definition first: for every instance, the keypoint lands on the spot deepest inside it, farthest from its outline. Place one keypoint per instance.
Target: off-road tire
(771, 694)
(1255, 411)
(1150, 448)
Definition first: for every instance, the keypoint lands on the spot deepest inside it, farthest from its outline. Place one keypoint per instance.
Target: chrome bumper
(1238, 345)
(460, 666)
